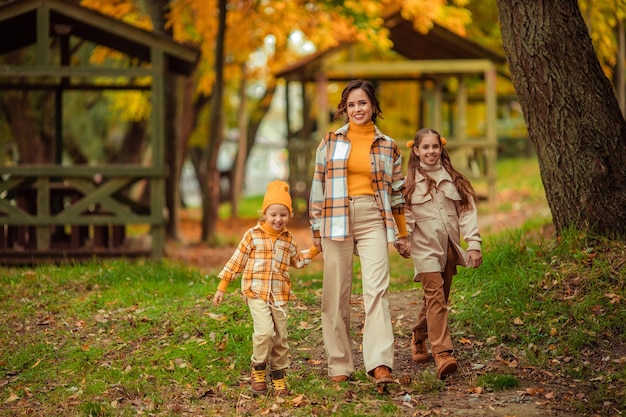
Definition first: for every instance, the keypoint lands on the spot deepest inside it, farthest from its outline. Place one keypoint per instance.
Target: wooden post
(157, 184)
(491, 118)
(43, 210)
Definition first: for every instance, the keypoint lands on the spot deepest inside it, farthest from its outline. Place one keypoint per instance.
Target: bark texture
(571, 111)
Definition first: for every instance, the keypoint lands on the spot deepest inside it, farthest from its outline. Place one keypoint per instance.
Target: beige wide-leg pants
(370, 241)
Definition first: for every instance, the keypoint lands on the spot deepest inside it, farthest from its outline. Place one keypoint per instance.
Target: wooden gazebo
(57, 211)
(430, 59)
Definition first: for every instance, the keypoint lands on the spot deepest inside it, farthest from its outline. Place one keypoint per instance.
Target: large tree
(571, 111)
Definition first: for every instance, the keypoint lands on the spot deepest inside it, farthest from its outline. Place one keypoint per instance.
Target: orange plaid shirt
(265, 265)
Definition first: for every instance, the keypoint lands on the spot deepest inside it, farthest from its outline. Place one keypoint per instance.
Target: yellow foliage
(131, 105)
(124, 10)
(602, 17)
(265, 28)
(423, 13)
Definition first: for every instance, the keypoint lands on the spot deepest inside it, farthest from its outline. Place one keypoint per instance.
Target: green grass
(497, 382)
(113, 338)
(118, 338)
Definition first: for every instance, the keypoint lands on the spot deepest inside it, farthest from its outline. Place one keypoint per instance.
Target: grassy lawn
(118, 338)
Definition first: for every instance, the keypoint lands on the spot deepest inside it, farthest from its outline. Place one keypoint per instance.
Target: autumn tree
(210, 194)
(262, 29)
(571, 112)
(322, 23)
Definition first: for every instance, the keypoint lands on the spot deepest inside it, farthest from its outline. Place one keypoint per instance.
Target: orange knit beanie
(277, 193)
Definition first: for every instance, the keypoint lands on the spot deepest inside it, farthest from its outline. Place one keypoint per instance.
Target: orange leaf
(533, 391)
(12, 397)
(476, 390)
(298, 401)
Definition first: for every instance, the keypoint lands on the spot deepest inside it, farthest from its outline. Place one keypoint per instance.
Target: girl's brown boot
(446, 364)
(419, 351)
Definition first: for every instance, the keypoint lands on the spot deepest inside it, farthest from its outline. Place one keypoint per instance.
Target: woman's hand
(403, 246)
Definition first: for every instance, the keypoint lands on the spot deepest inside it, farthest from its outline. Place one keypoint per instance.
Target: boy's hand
(218, 298)
(317, 242)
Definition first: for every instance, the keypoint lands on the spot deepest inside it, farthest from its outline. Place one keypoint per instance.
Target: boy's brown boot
(419, 351)
(446, 364)
(257, 379)
(279, 382)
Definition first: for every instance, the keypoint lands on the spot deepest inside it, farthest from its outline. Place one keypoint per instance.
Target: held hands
(474, 258)
(218, 298)
(317, 242)
(403, 246)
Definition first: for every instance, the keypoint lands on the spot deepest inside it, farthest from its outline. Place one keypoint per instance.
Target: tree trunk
(258, 113)
(33, 144)
(211, 199)
(239, 167)
(571, 111)
(133, 144)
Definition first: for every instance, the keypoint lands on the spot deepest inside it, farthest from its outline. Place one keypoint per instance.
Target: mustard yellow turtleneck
(359, 171)
(359, 180)
(270, 231)
(274, 235)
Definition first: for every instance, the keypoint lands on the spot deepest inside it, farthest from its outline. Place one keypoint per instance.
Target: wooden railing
(53, 212)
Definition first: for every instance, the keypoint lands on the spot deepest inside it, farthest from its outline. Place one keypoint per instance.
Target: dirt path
(461, 397)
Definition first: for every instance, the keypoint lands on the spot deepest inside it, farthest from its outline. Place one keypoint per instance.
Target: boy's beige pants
(269, 338)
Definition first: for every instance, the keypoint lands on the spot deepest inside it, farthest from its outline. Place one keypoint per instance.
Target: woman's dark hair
(461, 183)
(371, 94)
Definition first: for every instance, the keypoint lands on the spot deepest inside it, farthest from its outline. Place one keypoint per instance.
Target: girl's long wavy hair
(462, 184)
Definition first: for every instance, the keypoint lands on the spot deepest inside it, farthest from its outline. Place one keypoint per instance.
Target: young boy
(264, 256)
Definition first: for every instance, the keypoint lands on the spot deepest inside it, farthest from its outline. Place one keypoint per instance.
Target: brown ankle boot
(446, 364)
(257, 379)
(382, 375)
(419, 351)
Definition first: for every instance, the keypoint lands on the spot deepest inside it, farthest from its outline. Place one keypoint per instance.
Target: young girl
(440, 209)
(264, 255)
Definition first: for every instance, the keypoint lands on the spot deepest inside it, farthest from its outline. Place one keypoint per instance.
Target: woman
(356, 207)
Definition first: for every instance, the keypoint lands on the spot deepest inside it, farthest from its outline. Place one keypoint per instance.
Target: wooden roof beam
(414, 69)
